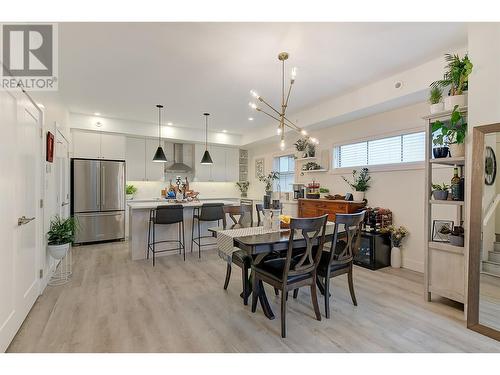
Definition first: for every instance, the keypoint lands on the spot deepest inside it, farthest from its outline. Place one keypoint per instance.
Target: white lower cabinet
(225, 167)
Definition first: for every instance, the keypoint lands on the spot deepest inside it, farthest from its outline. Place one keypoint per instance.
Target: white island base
(139, 220)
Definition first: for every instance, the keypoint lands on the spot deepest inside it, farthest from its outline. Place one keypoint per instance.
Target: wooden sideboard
(318, 207)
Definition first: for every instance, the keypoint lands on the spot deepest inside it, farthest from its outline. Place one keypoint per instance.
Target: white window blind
(285, 165)
(390, 150)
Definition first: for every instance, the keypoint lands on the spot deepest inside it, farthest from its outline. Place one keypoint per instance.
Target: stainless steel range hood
(179, 165)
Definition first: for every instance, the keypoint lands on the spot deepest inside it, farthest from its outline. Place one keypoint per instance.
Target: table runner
(225, 238)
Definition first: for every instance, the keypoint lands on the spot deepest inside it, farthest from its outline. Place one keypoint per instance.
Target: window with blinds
(404, 148)
(285, 165)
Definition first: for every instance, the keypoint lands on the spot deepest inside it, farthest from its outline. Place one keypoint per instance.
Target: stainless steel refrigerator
(98, 199)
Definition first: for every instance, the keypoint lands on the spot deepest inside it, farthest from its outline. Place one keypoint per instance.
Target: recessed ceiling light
(97, 113)
(224, 131)
(250, 119)
(169, 123)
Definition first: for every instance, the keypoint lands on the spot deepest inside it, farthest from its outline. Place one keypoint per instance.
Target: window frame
(414, 165)
(276, 163)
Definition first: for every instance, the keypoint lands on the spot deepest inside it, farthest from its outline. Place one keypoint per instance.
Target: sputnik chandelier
(280, 115)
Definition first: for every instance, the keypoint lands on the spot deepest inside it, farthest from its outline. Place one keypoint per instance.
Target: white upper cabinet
(95, 145)
(154, 171)
(224, 168)
(135, 159)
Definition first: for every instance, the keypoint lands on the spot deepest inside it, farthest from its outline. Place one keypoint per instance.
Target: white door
(21, 219)
(62, 165)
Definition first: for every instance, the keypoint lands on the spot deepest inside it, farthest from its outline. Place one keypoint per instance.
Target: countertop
(141, 205)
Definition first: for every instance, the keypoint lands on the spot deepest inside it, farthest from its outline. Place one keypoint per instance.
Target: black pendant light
(206, 159)
(159, 154)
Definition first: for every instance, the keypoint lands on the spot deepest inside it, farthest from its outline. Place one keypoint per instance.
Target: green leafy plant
(359, 181)
(456, 75)
(311, 149)
(398, 234)
(435, 95)
(61, 231)
(269, 179)
(442, 187)
(324, 190)
(130, 190)
(243, 186)
(301, 144)
(311, 166)
(453, 131)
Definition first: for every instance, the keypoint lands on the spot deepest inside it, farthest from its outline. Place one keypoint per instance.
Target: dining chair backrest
(168, 214)
(259, 207)
(342, 251)
(313, 232)
(212, 212)
(241, 216)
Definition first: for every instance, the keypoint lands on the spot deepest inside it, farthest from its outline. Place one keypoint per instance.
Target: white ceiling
(123, 69)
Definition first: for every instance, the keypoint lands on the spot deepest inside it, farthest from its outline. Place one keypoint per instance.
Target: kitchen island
(139, 220)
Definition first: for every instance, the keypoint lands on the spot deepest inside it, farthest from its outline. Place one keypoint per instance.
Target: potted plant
(435, 97)
(243, 186)
(301, 145)
(311, 150)
(440, 192)
(60, 236)
(268, 182)
(453, 132)
(130, 191)
(359, 183)
(456, 236)
(324, 191)
(456, 77)
(397, 236)
(311, 166)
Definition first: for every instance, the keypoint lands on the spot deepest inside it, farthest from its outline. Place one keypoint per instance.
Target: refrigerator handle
(103, 185)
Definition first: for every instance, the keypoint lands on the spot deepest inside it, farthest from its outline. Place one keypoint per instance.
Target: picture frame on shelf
(259, 167)
(441, 230)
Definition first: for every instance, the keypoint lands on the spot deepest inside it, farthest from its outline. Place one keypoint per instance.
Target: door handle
(65, 204)
(24, 220)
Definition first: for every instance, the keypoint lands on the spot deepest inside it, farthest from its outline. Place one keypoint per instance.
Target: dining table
(259, 243)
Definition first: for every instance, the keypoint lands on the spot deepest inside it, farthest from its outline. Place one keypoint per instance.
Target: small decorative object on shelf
(451, 132)
(311, 150)
(435, 97)
(301, 146)
(130, 191)
(398, 234)
(457, 190)
(456, 77)
(456, 236)
(243, 187)
(440, 192)
(359, 184)
(441, 230)
(440, 152)
(490, 166)
(311, 166)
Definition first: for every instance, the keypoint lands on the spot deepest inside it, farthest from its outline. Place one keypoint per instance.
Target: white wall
(401, 191)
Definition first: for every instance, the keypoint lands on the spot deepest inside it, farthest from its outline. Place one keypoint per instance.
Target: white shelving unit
(315, 171)
(445, 264)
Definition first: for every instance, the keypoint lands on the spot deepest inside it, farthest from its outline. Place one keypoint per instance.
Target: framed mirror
(483, 307)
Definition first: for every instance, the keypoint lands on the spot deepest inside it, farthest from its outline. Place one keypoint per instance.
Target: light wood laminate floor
(114, 304)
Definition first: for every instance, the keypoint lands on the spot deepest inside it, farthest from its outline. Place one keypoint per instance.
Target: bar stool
(207, 212)
(166, 215)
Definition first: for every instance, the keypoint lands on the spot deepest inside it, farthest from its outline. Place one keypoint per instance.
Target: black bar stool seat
(166, 215)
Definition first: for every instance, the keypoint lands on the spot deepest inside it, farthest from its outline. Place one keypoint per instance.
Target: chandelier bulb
(282, 145)
(294, 73)
(278, 131)
(252, 105)
(254, 94)
(303, 132)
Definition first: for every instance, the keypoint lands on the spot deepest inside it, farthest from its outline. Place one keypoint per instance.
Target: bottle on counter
(456, 186)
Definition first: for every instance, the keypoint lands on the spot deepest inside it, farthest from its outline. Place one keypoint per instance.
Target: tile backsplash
(152, 189)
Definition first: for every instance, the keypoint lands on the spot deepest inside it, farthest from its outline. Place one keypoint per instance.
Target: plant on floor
(397, 234)
(450, 132)
(269, 180)
(61, 231)
(359, 181)
(130, 190)
(243, 187)
(435, 95)
(456, 75)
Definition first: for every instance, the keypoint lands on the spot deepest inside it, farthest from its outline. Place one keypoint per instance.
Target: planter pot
(58, 251)
(457, 150)
(436, 108)
(267, 200)
(358, 196)
(244, 194)
(440, 152)
(396, 257)
(456, 240)
(440, 195)
(451, 101)
(129, 196)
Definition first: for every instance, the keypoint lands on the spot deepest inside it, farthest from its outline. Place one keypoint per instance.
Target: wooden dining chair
(242, 217)
(293, 271)
(339, 259)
